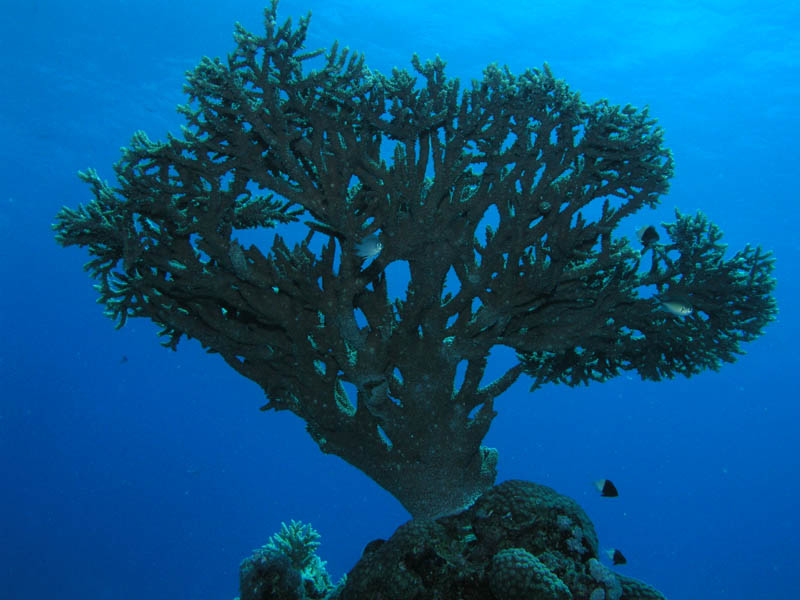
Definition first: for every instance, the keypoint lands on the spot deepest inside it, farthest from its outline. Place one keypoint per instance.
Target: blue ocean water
(130, 471)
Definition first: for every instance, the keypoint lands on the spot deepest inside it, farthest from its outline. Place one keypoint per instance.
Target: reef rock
(518, 541)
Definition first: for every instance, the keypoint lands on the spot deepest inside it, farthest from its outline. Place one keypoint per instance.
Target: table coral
(499, 198)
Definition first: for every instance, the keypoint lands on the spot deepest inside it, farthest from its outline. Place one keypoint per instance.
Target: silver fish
(679, 308)
(369, 247)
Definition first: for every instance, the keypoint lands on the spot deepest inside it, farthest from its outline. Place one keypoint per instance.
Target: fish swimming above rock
(616, 557)
(606, 488)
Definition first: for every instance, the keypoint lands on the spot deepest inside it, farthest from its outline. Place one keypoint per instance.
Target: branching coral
(287, 566)
(297, 541)
(403, 169)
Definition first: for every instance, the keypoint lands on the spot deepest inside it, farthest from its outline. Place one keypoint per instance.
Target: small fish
(616, 557)
(647, 235)
(124, 359)
(369, 247)
(676, 306)
(606, 488)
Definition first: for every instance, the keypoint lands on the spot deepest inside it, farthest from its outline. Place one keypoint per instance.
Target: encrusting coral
(406, 170)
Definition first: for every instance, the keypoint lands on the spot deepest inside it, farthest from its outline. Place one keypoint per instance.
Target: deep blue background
(153, 478)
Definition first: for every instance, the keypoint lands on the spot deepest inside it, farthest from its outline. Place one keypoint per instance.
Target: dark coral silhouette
(379, 171)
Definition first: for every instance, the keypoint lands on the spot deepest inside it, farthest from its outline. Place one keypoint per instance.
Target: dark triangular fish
(616, 556)
(647, 235)
(606, 488)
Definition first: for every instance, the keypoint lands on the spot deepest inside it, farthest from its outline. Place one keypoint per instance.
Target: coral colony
(379, 171)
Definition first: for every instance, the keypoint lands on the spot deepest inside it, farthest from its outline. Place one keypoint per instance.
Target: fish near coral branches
(279, 138)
